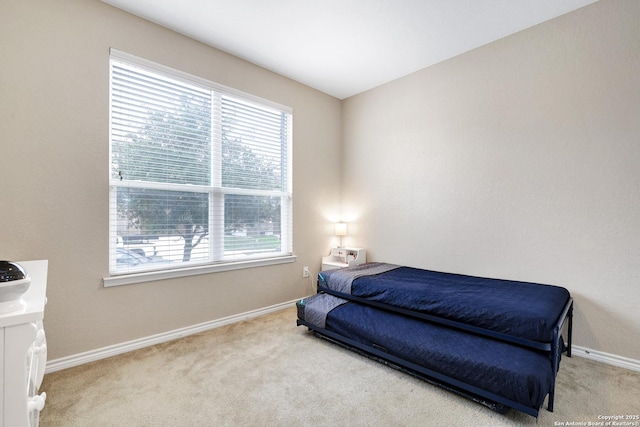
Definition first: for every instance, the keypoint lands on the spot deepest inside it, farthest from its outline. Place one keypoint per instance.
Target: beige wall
(519, 160)
(54, 171)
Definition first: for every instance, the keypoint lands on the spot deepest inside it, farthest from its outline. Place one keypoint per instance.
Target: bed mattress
(519, 374)
(520, 309)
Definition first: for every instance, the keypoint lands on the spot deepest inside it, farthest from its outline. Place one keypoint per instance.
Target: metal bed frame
(493, 401)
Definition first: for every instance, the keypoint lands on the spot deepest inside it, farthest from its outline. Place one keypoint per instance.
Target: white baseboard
(609, 359)
(113, 350)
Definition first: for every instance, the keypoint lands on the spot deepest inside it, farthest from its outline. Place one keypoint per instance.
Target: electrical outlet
(305, 271)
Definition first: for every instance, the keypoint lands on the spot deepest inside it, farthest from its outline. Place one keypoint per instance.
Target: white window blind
(199, 173)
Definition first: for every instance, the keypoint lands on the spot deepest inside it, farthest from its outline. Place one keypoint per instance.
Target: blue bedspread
(519, 309)
(516, 373)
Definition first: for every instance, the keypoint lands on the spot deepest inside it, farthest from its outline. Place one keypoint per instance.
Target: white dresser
(23, 353)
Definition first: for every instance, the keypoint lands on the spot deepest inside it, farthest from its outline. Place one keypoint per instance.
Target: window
(200, 174)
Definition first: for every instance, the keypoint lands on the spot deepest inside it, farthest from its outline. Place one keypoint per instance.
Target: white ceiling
(344, 47)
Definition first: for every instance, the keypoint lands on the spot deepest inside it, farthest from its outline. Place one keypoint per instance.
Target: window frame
(215, 188)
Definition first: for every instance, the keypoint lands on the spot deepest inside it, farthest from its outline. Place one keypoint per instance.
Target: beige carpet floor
(268, 372)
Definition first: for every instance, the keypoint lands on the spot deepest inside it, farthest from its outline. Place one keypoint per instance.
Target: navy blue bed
(491, 339)
(523, 312)
(480, 366)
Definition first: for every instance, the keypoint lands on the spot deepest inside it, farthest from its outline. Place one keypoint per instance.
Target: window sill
(149, 276)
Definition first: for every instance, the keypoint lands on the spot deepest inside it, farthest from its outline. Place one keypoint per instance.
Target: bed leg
(552, 392)
(556, 351)
(570, 331)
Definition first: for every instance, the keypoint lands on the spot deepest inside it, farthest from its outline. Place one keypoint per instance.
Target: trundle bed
(496, 341)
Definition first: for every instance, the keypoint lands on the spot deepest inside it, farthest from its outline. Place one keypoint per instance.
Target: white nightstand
(344, 257)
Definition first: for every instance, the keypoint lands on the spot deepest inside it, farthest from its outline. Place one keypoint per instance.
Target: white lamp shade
(341, 228)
